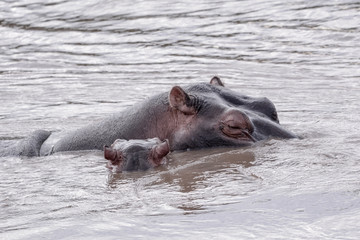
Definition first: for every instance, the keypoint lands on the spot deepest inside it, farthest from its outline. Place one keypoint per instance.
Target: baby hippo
(139, 154)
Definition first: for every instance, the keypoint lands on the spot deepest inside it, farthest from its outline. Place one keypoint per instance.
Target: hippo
(29, 146)
(200, 115)
(136, 154)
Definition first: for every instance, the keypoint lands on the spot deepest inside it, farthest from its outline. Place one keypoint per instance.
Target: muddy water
(64, 64)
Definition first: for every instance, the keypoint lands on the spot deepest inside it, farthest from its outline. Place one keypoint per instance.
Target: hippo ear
(181, 101)
(114, 156)
(162, 149)
(216, 81)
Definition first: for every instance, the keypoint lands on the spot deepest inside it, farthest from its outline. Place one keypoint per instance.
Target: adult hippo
(195, 116)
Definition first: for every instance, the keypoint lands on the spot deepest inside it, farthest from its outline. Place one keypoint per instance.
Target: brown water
(66, 63)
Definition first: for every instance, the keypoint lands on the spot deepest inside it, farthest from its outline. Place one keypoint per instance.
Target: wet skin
(132, 155)
(195, 116)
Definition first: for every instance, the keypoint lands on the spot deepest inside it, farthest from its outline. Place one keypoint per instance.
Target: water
(66, 63)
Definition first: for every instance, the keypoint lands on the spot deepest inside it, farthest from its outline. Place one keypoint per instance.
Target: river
(64, 64)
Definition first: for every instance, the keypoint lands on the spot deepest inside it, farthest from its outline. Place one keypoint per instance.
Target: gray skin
(195, 116)
(133, 155)
(29, 146)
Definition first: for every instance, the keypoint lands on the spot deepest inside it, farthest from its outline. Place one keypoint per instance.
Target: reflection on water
(191, 173)
(187, 169)
(65, 63)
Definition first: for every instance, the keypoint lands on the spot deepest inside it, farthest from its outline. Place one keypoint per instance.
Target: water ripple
(66, 63)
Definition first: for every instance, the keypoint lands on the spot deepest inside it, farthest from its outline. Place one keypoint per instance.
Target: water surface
(64, 64)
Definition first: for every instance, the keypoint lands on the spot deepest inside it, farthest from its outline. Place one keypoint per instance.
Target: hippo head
(209, 115)
(132, 155)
